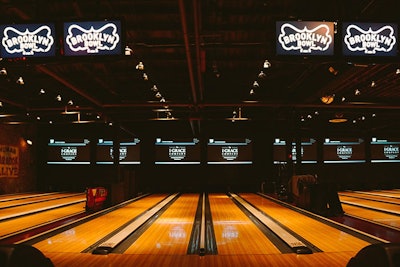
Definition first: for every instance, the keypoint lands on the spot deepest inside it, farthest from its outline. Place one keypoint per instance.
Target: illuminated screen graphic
(68, 151)
(385, 150)
(369, 39)
(177, 151)
(345, 150)
(92, 38)
(129, 152)
(229, 151)
(308, 151)
(27, 40)
(304, 38)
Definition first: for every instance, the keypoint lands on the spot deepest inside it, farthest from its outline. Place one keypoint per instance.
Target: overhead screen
(369, 39)
(91, 38)
(344, 150)
(177, 151)
(27, 40)
(129, 152)
(305, 38)
(308, 151)
(385, 150)
(72, 151)
(229, 151)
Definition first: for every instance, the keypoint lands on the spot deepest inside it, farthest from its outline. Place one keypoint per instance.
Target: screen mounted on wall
(305, 38)
(27, 40)
(369, 39)
(385, 150)
(177, 151)
(308, 151)
(344, 150)
(129, 152)
(75, 151)
(229, 151)
(91, 38)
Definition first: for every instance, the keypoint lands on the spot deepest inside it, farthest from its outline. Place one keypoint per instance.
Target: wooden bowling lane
(35, 199)
(79, 238)
(18, 224)
(170, 233)
(41, 206)
(11, 197)
(371, 204)
(234, 232)
(387, 219)
(376, 197)
(325, 237)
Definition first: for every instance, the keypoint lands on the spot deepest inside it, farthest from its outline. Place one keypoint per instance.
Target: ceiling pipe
(187, 50)
(68, 84)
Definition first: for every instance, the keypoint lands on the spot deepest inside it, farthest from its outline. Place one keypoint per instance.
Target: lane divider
(202, 250)
(108, 245)
(294, 243)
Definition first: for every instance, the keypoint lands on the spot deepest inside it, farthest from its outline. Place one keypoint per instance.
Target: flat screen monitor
(27, 40)
(385, 150)
(369, 39)
(344, 150)
(308, 151)
(71, 151)
(229, 151)
(177, 151)
(129, 152)
(305, 38)
(92, 38)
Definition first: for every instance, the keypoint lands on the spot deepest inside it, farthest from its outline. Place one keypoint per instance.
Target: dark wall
(26, 179)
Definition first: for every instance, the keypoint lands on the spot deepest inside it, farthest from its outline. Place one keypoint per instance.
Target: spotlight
(70, 102)
(397, 71)
(252, 91)
(20, 81)
(158, 95)
(267, 64)
(140, 66)
(262, 75)
(3, 71)
(1, 104)
(255, 84)
(373, 84)
(29, 142)
(357, 92)
(162, 100)
(58, 98)
(128, 51)
(154, 88)
(42, 92)
(145, 77)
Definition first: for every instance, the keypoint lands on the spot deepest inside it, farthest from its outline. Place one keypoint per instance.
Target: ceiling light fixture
(20, 81)
(373, 83)
(140, 66)
(58, 98)
(128, 51)
(3, 71)
(262, 75)
(339, 118)
(267, 64)
(327, 99)
(333, 70)
(397, 71)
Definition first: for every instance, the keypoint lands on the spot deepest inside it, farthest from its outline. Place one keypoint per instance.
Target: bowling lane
(10, 197)
(25, 222)
(389, 207)
(18, 210)
(77, 239)
(372, 215)
(170, 233)
(235, 233)
(33, 199)
(376, 197)
(325, 237)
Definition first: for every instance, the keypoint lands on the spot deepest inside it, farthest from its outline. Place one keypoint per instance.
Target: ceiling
(203, 57)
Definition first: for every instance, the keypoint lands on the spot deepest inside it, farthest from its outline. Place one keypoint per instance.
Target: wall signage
(27, 40)
(369, 39)
(304, 38)
(92, 38)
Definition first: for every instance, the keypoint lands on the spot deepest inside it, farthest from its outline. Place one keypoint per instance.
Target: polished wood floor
(165, 242)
